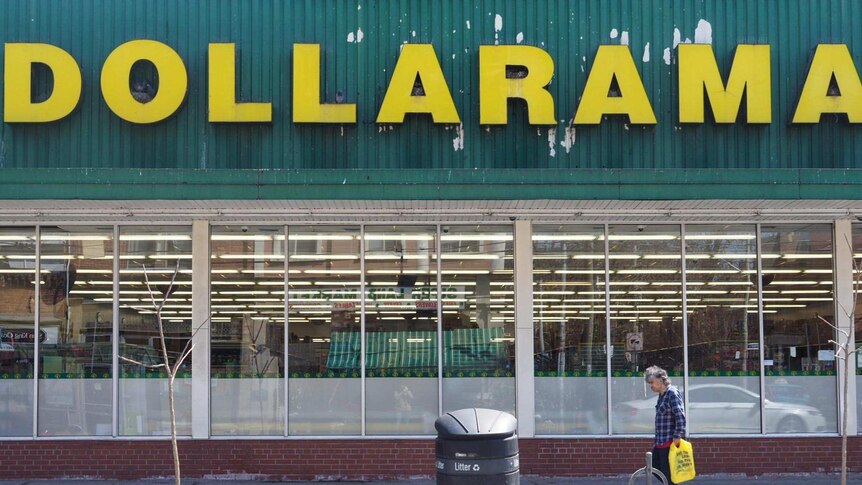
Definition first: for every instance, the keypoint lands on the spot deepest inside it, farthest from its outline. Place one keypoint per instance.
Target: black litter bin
(476, 447)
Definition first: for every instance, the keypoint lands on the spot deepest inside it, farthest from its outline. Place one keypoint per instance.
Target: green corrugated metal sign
(94, 153)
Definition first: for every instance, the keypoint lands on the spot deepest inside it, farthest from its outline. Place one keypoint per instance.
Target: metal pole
(648, 468)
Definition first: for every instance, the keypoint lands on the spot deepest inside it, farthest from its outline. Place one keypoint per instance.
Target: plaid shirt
(669, 416)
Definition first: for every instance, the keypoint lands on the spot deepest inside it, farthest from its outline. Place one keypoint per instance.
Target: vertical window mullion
(115, 337)
(438, 248)
(684, 295)
(761, 345)
(286, 249)
(362, 324)
(36, 344)
(608, 328)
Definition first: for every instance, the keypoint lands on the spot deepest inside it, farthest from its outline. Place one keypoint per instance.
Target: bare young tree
(171, 368)
(844, 352)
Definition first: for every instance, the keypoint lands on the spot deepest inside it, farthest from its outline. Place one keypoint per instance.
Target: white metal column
(525, 406)
(201, 329)
(844, 312)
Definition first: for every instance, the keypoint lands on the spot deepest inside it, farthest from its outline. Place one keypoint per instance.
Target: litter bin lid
(476, 424)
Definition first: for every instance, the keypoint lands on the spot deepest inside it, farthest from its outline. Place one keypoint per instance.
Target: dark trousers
(661, 462)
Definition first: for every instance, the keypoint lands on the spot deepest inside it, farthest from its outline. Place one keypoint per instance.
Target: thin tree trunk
(171, 373)
(848, 354)
(174, 427)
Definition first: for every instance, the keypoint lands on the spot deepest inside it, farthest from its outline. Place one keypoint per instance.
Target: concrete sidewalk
(806, 479)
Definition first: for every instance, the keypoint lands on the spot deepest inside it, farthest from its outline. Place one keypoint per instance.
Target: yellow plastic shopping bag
(681, 462)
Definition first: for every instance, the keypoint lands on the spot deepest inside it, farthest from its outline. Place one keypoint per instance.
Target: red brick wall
(364, 459)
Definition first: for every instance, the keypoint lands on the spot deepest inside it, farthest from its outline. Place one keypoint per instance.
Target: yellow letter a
(418, 59)
(614, 61)
(20, 58)
(830, 60)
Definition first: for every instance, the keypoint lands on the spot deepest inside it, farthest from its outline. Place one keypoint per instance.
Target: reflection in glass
(478, 317)
(17, 329)
(646, 319)
(324, 340)
(401, 329)
(160, 251)
(723, 329)
(857, 285)
(247, 336)
(570, 329)
(799, 360)
(76, 305)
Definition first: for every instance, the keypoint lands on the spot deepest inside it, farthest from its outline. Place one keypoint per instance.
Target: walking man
(669, 418)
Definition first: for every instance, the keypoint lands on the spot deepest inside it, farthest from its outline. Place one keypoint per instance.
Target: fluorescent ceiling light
(241, 237)
(478, 237)
(564, 237)
(719, 237)
(642, 237)
(155, 237)
(321, 237)
(73, 237)
(399, 237)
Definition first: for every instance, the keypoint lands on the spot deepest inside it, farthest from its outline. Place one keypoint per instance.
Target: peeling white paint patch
(342, 131)
(355, 37)
(412, 33)
(646, 52)
(498, 26)
(458, 142)
(614, 33)
(703, 32)
(468, 25)
(358, 7)
(677, 35)
(666, 55)
(453, 56)
(552, 141)
(687, 41)
(519, 38)
(624, 38)
(569, 139)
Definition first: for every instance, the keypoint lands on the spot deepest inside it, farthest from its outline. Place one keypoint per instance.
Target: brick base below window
(367, 459)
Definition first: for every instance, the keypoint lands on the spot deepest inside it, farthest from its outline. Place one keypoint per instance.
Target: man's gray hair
(656, 372)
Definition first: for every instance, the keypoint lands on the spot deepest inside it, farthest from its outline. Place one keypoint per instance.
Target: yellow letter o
(173, 81)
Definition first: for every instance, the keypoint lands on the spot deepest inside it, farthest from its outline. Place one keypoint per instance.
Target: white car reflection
(723, 408)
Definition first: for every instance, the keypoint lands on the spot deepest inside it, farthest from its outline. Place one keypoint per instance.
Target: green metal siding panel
(571, 31)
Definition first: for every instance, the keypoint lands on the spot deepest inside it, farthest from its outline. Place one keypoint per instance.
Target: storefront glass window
(799, 360)
(17, 329)
(247, 336)
(857, 286)
(143, 395)
(76, 357)
(324, 341)
(478, 317)
(401, 330)
(570, 330)
(723, 329)
(646, 319)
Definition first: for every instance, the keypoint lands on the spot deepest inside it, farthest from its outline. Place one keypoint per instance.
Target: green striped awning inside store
(469, 349)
